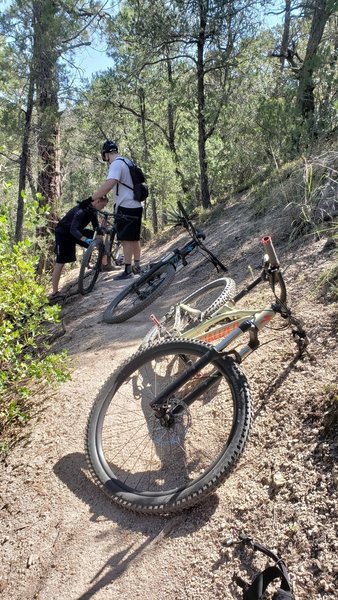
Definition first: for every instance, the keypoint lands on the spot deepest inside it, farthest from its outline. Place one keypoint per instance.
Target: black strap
(125, 185)
(256, 590)
(283, 595)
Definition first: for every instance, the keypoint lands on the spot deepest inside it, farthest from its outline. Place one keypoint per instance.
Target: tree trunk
(24, 158)
(286, 33)
(146, 157)
(205, 193)
(171, 124)
(305, 94)
(46, 77)
(46, 73)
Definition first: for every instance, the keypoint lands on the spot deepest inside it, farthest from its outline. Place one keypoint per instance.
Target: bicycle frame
(239, 322)
(227, 320)
(108, 225)
(178, 255)
(215, 329)
(231, 332)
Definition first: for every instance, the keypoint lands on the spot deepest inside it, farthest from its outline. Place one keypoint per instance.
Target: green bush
(26, 364)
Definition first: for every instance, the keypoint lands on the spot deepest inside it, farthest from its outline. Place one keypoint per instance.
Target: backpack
(256, 589)
(140, 188)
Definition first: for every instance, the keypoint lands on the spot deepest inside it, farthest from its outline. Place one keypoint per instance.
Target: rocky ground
(61, 538)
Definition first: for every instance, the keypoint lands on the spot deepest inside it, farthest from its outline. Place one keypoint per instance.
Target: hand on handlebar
(200, 234)
(100, 230)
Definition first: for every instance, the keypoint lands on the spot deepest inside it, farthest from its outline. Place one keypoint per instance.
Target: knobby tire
(139, 294)
(208, 299)
(149, 468)
(90, 266)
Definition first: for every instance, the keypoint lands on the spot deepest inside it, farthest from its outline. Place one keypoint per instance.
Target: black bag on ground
(140, 188)
(256, 589)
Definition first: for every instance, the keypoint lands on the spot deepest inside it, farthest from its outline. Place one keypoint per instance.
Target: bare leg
(136, 250)
(56, 276)
(130, 250)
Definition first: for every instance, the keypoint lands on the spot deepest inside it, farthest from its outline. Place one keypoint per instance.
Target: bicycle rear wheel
(140, 294)
(90, 266)
(149, 467)
(207, 299)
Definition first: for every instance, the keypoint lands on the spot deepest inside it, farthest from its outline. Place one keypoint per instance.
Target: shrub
(26, 363)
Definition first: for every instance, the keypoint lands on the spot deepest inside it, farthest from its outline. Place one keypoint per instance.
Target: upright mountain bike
(158, 276)
(168, 427)
(104, 243)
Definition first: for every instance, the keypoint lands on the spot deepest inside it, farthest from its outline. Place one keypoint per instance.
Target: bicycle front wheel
(90, 266)
(149, 466)
(139, 294)
(207, 299)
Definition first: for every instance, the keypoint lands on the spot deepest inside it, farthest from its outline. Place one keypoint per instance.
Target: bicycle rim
(147, 467)
(90, 267)
(207, 299)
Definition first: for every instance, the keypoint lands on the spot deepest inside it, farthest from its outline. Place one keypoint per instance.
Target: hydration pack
(140, 188)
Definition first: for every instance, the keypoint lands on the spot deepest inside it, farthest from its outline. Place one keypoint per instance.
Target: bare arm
(104, 188)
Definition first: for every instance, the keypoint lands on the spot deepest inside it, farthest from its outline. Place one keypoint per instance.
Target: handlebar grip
(270, 251)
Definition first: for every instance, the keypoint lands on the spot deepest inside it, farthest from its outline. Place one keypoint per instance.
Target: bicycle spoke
(144, 454)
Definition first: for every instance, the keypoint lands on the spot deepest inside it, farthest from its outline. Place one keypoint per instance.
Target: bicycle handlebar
(198, 235)
(270, 251)
(105, 214)
(186, 222)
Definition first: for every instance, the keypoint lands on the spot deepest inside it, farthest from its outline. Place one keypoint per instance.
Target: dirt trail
(61, 538)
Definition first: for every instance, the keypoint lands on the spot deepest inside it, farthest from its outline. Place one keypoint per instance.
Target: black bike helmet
(108, 146)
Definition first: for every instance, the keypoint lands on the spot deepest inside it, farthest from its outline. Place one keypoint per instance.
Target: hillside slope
(62, 538)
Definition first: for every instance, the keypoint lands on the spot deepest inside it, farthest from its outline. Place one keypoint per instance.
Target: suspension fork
(207, 358)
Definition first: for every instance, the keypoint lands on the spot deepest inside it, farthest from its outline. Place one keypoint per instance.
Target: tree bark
(205, 192)
(46, 73)
(24, 158)
(171, 123)
(305, 94)
(146, 158)
(286, 33)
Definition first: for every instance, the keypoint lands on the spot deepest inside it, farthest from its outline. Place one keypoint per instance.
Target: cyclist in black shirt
(71, 230)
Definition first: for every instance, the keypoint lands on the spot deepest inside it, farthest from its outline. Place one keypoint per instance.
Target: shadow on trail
(72, 471)
(122, 561)
(276, 383)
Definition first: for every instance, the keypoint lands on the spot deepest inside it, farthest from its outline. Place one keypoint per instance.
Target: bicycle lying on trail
(104, 243)
(168, 427)
(158, 276)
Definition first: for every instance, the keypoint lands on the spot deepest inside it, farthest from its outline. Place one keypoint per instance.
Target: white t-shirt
(124, 196)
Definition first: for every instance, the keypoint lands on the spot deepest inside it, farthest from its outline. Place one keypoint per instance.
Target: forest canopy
(208, 97)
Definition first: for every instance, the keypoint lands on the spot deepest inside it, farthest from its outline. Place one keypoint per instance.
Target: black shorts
(128, 230)
(65, 245)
